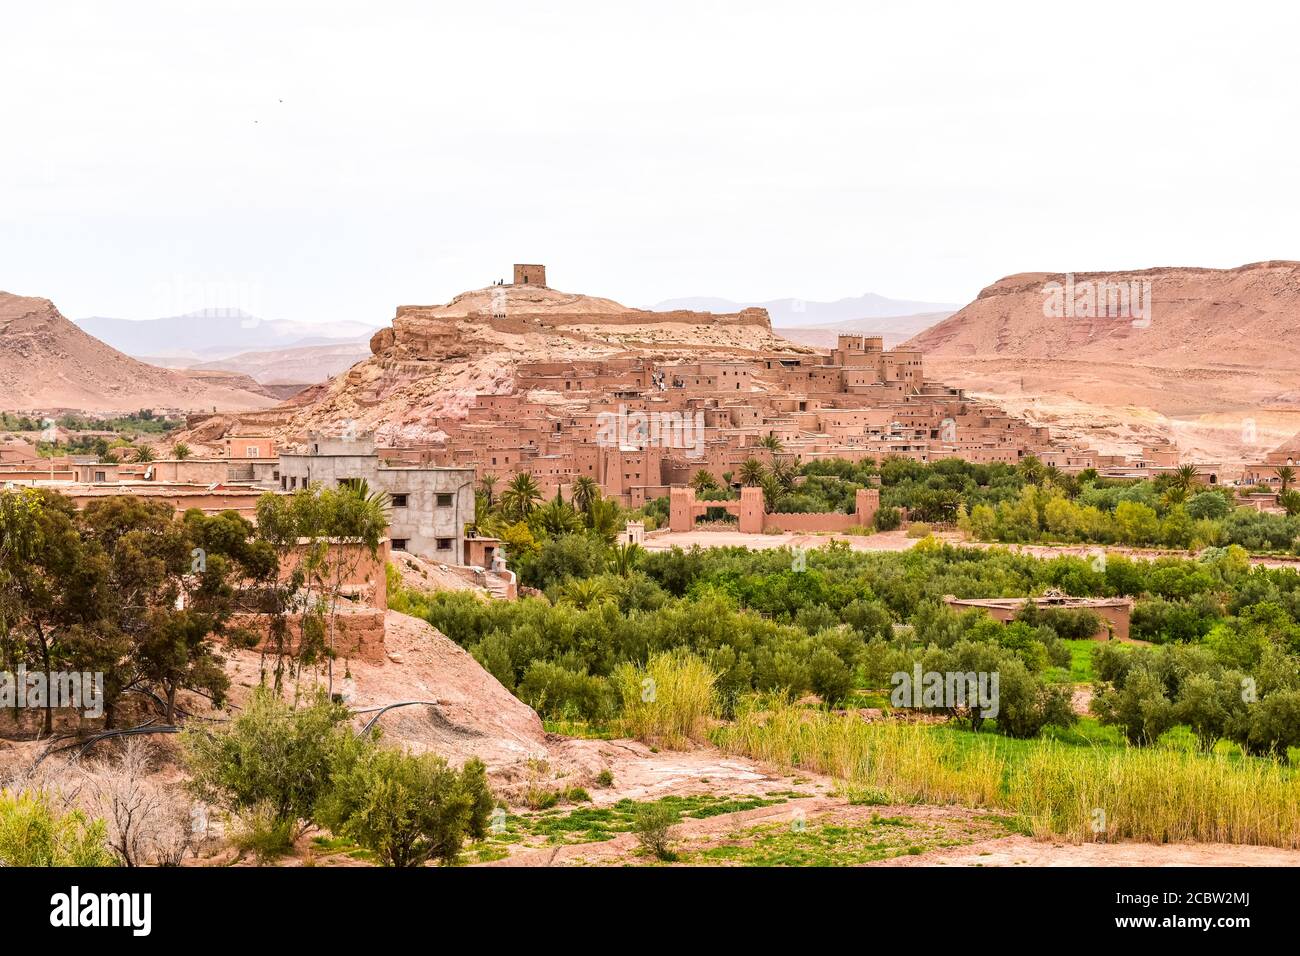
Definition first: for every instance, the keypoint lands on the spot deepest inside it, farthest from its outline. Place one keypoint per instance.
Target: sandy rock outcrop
(433, 360)
(474, 715)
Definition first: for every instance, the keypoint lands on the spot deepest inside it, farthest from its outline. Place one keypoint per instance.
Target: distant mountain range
(214, 334)
(302, 365)
(893, 329)
(794, 313)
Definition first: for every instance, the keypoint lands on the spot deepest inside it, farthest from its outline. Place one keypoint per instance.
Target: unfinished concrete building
(430, 504)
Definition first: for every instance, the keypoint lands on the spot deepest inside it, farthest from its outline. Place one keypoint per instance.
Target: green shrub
(260, 831)
(887, 519)
(1210, 705)
(272, 757)
(1273, 725)
(33, 833)
(408, 809)
(1139, 707)
(831, 678)
(652, 825)
(1027, 704)
(555, 691)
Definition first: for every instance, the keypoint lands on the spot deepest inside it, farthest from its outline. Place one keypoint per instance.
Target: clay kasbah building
(641, 425)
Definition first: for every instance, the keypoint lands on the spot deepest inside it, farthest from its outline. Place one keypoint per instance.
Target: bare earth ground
(899, 541)
(423, 575)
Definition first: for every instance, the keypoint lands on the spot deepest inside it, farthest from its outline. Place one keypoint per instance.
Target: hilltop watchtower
(530, 275)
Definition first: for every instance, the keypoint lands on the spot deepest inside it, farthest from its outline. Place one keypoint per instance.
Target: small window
(399, 544)
(399, 501)
(444, 501)
(444, 544)
(253, 451)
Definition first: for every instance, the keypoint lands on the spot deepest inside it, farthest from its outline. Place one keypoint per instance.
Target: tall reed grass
(669, 702)
(1060, 791)
(1154, 795)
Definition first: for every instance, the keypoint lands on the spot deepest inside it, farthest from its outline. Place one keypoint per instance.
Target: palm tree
(180, 451)
(1068, 484)
(521, 496)
(487, 483)
(771, 486)
(584, 593)
(627, 555)
(375, 505)
(1184, 479)
(1285, 476)
(144, 454)
(585, 491)
(605, 519)
(752, 472)
(1031, 469)
(702, 481)
(785, 472)
(1290, 502)
(555, 519)
(771, 443)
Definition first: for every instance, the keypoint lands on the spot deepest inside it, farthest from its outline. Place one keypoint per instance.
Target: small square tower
(530, 275)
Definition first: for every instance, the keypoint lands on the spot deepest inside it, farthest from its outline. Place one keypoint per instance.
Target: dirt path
(1025, 851)
(899, 541)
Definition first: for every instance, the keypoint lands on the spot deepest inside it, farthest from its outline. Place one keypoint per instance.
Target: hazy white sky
(324, 160)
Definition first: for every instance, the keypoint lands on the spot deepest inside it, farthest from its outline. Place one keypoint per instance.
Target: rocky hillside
(47, 363)
(1196, 354)
(433, 360)
(1206, 317)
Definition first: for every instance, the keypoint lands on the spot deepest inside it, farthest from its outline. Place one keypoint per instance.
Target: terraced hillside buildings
(640, 425)
(522, 378)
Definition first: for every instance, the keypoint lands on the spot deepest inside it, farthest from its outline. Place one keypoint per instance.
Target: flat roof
(1042, 600)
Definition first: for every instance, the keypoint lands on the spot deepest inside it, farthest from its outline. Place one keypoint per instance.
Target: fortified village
(639, 401)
